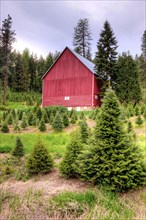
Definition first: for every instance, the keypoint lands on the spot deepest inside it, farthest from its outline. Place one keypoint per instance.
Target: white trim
(93, 90)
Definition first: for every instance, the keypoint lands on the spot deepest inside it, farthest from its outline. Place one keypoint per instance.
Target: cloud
(48, 25)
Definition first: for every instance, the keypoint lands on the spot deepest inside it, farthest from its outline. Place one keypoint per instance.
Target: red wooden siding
(68, 77)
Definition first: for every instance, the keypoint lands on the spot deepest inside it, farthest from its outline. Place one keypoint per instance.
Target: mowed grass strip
(55, 142)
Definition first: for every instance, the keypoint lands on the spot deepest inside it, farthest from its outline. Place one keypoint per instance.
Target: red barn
(71, 82)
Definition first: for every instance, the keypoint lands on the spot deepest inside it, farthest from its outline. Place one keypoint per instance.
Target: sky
(46, 26)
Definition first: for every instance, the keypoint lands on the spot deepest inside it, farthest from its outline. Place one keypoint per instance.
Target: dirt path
(49, 184)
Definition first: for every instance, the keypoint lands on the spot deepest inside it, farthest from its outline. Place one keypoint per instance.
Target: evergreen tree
(73, 150)
(127, 81)
(58, 122)
(5, 128)
(9, 119)
(84, 130)
(106, 55)
(40, 160)
(41, 69)
(65, 120)
(39, 113)
(114, 161)
(49, 61)
(42, 126)
(30, 118)
(82, 38)
(139, 120)
(18, 150)
(24, 123)
(26, 71)
(7, 37)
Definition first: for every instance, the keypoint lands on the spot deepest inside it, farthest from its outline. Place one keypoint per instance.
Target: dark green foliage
(45, 117)
(127, 85)
(73, 149)
(51, 119)
(65, 120)
(113, 161)
(39, 113)
(84, 130)
(18, 150)
(144, 114)
(137, 112)
(10, 119)
(5, 128)
(105, 60)
(129, 127)
(30, 118)
(74, 117)
(139, 120)
(40, 160)
(82, 116)
(24, 123)
(42, 126)
(57, 124)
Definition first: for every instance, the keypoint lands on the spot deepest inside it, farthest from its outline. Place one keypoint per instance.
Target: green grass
(55, 142)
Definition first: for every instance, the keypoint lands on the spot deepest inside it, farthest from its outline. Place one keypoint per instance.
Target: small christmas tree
(24, 123)
(113, 161)
(39, 113)
(40, 160)
(57, 124)
(18, 150)
(139, 120)
(42, 126)
(5, 128)
(45, 117)
(82, 116)
(30, 118)
(10, 119)
(65, 120)
(73, 149)
(84, 131)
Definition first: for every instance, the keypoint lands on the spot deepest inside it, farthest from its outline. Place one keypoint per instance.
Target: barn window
(66, 98)
(96, 96)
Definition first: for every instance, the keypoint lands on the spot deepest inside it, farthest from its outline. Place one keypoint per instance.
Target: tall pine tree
(82, 38)
(106, 55)
(7, 37)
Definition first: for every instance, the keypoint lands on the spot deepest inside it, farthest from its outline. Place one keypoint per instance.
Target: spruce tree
(40, 160)
(82, 38)
(73, 150)
(127, 85)
(24, 123)
(5, 128)
(65, 120)
(84, 130)
(18, 150)
(106, 55)
(57, 124)
(42, 126)
(139, 120)
(114, 161)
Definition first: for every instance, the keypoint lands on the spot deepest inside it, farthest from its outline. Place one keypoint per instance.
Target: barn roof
(83, 60)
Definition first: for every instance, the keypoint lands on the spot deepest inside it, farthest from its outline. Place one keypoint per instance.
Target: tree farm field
(51, 196)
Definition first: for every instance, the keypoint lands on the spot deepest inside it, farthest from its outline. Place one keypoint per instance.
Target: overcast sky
(45, 26)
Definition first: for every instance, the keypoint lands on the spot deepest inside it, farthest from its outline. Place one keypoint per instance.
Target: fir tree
(65, 120)
(73, 150)
(127, 81)
(30, 118)
(114, 161)
(5, 128)
(7, 37)
(82, 38)
(39, 113)
(58, 122)
(40, 160)
(139, 120)
(24, 123)
(9, 119)
(18, 150)
(42, 126)
(105, 60)
(84, 130)
(82, 116)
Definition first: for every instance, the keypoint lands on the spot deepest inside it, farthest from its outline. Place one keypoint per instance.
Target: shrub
(5, 128)
(40, 160)
(84, 131)
(57, 122)
(42, 126)
(139, 120)
(18, 150)
(72, 152)
(113, 161)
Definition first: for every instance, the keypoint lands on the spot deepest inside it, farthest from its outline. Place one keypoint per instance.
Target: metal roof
(83, 60)
(86, 62)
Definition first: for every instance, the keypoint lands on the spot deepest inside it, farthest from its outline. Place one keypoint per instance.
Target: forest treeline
(22, 72)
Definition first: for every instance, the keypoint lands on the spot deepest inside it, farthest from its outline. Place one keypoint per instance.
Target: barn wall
(68, 78)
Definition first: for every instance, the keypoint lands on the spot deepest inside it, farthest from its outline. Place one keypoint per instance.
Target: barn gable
(70, 81)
